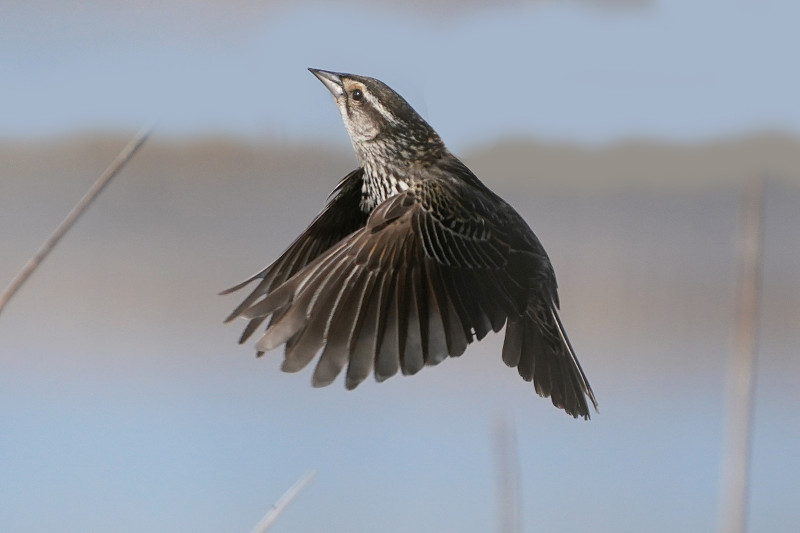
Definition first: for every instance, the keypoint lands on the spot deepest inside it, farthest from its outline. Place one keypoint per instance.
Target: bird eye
(357, 95)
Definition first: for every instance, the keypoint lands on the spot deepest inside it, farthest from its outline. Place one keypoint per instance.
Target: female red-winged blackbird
(411, 260)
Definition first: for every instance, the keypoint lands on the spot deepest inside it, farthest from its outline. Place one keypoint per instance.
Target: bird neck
(380, 182)
(386, 160)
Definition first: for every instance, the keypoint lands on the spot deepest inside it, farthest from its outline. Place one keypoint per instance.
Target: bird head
(374, 114)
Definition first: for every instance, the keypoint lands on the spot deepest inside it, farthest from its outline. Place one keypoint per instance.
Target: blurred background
(622, 131)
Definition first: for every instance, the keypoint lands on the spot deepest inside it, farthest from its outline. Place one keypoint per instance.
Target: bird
(411, 259)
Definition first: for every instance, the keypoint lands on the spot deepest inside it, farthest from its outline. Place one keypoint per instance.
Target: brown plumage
(411, 260)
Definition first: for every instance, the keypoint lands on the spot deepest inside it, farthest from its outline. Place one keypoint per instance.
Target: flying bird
(411, 259)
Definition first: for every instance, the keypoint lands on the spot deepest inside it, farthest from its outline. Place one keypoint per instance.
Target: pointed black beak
(332, 81)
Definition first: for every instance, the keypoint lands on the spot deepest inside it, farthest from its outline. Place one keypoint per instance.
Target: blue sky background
(574, 71)
(125, 404)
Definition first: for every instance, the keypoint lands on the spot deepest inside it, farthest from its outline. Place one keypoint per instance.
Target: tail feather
(537, 345)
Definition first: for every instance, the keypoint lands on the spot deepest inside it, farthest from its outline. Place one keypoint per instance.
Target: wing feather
(342, 319)
(387, 354)
(455, 340)
(341, 216)
(413, 354)
(361, 342)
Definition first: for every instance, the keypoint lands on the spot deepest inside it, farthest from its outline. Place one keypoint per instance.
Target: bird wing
(341, 216)
(414, 285)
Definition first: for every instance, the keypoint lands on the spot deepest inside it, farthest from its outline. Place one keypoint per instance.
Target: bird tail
(537, 345)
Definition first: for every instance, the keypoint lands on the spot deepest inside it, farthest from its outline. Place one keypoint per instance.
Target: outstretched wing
(416, 284)
(341, 216)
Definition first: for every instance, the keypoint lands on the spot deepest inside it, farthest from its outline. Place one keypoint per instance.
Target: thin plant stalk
(509, 507)
(741, 380)
(112, 170)
(278, 507)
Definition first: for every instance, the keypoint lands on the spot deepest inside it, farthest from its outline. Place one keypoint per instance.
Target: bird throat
(381, 182)
(386, 160)
(385, 167)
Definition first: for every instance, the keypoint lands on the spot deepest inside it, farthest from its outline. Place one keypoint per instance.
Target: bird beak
(332, 81)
